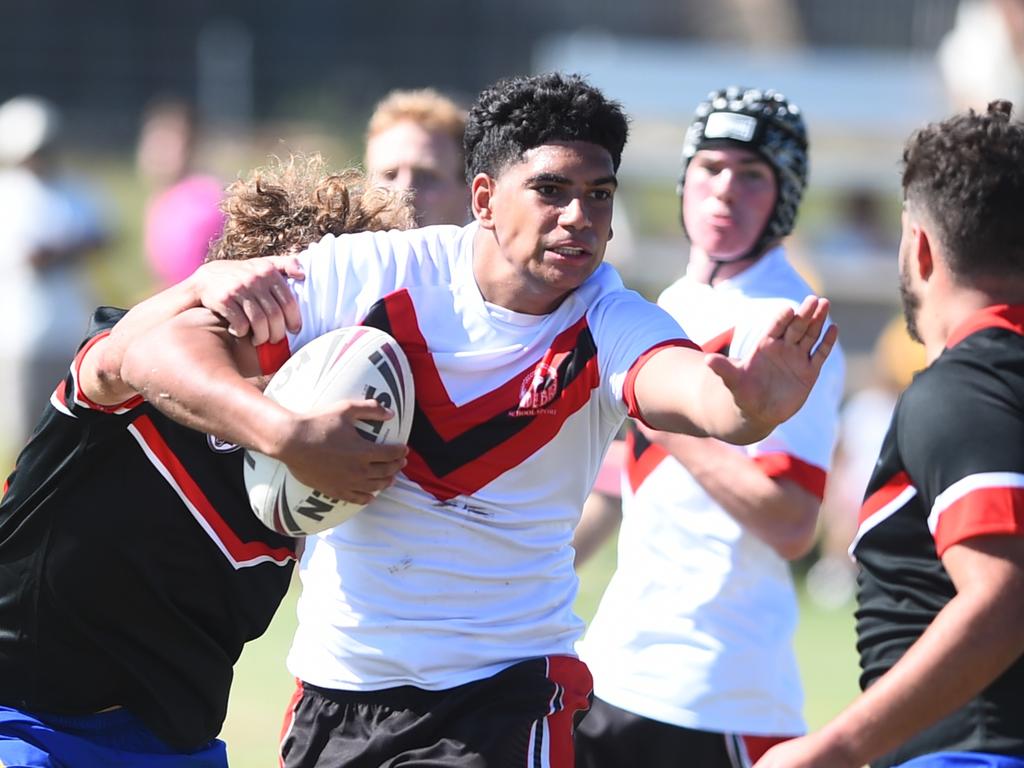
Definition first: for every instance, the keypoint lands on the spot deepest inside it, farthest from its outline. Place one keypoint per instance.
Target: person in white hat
(49, 224)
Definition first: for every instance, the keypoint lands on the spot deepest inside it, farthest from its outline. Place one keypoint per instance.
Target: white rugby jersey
(464, 566)
(696, 626)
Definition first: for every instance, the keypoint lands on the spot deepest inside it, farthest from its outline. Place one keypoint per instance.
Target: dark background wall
(261, 59)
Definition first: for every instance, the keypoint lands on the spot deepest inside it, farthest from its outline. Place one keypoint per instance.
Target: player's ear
(924, 255)
(481, 191)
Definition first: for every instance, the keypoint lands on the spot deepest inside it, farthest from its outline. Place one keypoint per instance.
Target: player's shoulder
(103, 319)
(773, 277)
(974, 368)
(604, 295)
(422, 240)
(426, 250)
(949, 391)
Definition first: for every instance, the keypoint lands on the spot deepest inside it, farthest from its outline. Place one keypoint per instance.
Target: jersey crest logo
(537, 391)
(221, 446)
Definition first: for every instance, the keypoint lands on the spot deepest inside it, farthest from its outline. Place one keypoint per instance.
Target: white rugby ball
(355, 363)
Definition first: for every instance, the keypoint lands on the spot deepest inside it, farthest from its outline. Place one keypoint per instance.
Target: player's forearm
(978, 638)
(187, 369)
(695, 402)
(100, 374)
(601, 516)
(678, 393)
(778, 512)
(723, 419)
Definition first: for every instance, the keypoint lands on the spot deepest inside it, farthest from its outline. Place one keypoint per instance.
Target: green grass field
(262, 687)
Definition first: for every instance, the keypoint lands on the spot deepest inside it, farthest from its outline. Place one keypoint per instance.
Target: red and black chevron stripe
(456, 450)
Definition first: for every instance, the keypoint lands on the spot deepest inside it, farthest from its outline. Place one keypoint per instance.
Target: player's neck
(702, 268)
(948, 309)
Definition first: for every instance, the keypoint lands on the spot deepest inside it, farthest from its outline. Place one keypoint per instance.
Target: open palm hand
(773, 382)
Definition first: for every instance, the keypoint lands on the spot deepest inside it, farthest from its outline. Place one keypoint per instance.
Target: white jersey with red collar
(696, 626)
(464, 566)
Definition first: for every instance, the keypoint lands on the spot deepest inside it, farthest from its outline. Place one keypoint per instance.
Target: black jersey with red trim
(951, 468)
(132, 570)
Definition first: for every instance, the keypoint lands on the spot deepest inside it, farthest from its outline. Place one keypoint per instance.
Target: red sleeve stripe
(628, 393)
(273, 356)
(79, 396)
(985, 504)
(781, 466)
(720, 342)
(883, 504)
(58, 399)
(241, 554)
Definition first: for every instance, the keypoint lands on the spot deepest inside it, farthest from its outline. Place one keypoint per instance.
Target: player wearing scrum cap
(691, 647)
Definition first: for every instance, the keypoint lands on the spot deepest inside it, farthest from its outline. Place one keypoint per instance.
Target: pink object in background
(180, 223)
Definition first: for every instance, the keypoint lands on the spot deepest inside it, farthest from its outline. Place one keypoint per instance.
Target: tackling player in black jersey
(940, 542)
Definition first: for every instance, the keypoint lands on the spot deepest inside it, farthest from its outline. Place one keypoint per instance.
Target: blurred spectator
(414, 142)
(183, 214)
(49, 224)
(863, 422)
(982, 57)
(865, 228)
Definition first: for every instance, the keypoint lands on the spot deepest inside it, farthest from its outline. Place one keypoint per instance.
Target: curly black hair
(967, 172)
(520, 113)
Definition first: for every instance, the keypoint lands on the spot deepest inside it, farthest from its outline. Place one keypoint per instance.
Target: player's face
(551, 216)
(729, 194)
(408, 157)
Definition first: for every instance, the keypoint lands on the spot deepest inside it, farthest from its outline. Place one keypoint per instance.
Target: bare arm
(251, 295)
(778, 511)
(194, 371)
(683, 390)
(602, 515)
(979, 634)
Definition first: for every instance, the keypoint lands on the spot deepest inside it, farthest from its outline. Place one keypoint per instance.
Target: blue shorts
(115, 739)
(963, 760)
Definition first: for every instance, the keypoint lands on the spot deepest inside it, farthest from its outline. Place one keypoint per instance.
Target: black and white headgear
(766, 123)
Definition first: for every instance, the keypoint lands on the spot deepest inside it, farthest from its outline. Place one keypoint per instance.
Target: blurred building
(259, 59)
(865, 73)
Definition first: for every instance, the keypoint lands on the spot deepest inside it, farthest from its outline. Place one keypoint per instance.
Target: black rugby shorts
(523, 717)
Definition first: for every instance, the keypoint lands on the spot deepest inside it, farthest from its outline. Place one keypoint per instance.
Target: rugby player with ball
(436, 625)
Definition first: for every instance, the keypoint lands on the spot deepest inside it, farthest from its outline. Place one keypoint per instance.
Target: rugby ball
(355, 363)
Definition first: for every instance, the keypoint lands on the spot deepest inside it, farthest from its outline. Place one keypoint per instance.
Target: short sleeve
(68, 398)
(959, 431)
(627, 329)
(346, 274)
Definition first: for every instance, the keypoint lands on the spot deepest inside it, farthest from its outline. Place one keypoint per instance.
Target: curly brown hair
(286, 205)
(968, 173)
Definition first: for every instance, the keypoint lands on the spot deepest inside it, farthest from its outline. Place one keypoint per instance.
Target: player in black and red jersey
(940, 541)
(132, 570)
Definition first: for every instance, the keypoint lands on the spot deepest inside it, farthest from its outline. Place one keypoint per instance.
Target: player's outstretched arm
(252, 296)
(979, 634)
(193, 370)
(710, 395)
